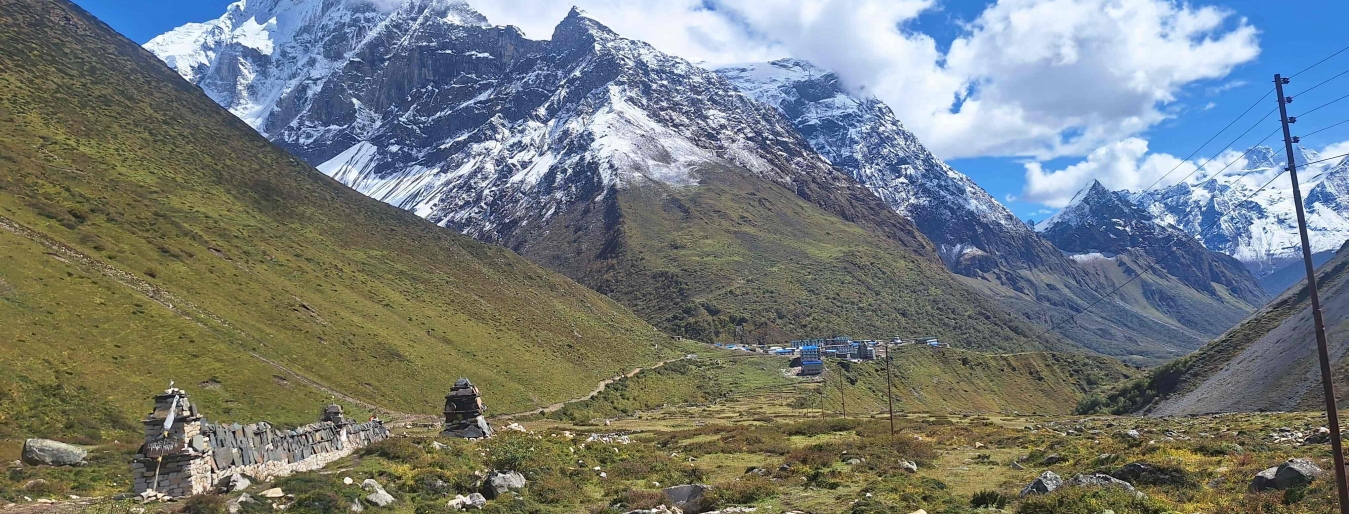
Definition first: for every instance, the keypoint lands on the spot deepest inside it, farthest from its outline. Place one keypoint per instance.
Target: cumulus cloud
(1032, 78)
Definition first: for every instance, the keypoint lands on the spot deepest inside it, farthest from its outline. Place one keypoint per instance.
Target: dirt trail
(598, 389)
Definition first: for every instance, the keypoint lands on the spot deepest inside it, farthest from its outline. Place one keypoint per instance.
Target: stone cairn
(184, 455)
(463, 412)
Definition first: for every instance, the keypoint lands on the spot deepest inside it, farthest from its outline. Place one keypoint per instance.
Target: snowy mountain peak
(577, 28)
(1093, 201)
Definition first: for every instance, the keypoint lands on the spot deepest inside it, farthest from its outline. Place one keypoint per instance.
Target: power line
(1210, 140)
(1318, 63)
(1314, 109)
(1173, 242)
(1323, 129)
(1327, 158)
(1323, 82)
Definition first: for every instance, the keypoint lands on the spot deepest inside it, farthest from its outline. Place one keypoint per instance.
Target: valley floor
(755, 436)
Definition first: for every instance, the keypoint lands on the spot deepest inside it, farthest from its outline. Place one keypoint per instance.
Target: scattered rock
(1294, 473)
(459, 502)
(36, 484)
(437, 445)
(52, 453)
(235, 505)
(688, 498)
(233, 483)
(908, 465)
(1047, 482)
(347, 480)
(380, 497)
(356, 506)
(1017, 466)
(1053, 459)
(370, 484)
(1102, 480)
(660, 509)
(1133, 434)
(274, 492)
(1148, 474)
(502, 482)
(853, 462)
(476, 501)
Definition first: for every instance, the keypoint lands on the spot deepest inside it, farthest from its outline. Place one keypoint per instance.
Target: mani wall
(184, 455)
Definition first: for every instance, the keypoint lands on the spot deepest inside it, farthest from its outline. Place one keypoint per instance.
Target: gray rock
(198, 443)
(688, 498)
(853, 462)
(502, 482)
(1133, 434)
(1017, 466)
(370, 484)
(459, 502)
(52, 453)
(659, 509)
(235, 505)
(1053, 459)
(908, 465)
(1047, 482)
(476, 501)
(437, 445)
(356, 506)
(1102, 480)
(380, 498)
(1294, 473)
(233, 483)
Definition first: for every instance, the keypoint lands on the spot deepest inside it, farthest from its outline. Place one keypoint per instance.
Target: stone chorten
(463, 412)
(172, 462)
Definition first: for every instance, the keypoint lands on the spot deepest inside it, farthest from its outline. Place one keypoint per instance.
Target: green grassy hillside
(736, 249)
(147, 235)
(947, 380)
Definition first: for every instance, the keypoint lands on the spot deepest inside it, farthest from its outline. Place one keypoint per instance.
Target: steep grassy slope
(1268, 362)
(148, 235)
(739, 250)
(947, 380)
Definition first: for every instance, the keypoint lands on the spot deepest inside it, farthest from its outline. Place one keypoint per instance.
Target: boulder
(370, 484)
(659, 509)
(476, 501)
(908, 465)
(52, 453)
(502, 482)
(1053, 459)
(1294, 473)
(356, 506)
(380, 498)
(1149, 474)
(274, 492)
(459, 502)
(1047, 482)
(232, 483)
(235, 505)
(688, 498)
(1133, 434)
(1102, 480)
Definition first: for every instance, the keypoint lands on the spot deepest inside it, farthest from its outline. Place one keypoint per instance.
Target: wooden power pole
(889, 396)
(1327, 385)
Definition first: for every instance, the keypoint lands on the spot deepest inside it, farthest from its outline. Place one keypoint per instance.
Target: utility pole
(1327, 386)
(842, 397)
(889, 396)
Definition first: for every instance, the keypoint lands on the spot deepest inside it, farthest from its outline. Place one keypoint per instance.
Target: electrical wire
(1323, 129)
(1314, 109)
(1322, 83)
(1318, 63)
(1333, 157)
(1210, 140)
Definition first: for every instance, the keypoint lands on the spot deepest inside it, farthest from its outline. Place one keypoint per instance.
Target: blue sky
(1291, 35)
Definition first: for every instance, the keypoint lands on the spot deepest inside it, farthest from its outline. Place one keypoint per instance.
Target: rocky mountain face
(976, 236)
(635, 172)
(1103, 224)
(1228, 213)
(1267, 363)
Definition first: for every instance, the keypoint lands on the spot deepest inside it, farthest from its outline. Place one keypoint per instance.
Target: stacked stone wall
(196, 455)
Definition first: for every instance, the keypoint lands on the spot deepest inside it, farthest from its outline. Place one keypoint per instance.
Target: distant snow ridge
(428, 107)
(860, 134)
(1260, 232)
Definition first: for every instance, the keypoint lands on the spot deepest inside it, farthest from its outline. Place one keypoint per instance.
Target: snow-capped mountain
(860, 134)
(429, 108)
(1103, 224)
(1229, 213)
(977, 236)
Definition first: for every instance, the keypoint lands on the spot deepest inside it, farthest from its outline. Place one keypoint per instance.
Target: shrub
(745, 490)
(398, 449)
(989, 499)
(204, 504)
(639, 499)
(1079, 500)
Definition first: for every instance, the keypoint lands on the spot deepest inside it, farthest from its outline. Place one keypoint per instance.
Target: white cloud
(1127, 164)
(1038, 78)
